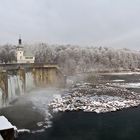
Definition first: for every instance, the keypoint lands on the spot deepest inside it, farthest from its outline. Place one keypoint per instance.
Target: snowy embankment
(91, 98)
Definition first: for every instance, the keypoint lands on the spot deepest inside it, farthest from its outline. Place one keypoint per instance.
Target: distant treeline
(75, 59)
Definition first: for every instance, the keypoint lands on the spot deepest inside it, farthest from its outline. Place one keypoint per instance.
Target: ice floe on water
(91, 98)
(132, 85)
(118, 80)
(126, 85)
(23, 131)
(20, 131)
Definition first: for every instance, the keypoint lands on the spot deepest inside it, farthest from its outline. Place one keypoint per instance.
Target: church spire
(19, 40)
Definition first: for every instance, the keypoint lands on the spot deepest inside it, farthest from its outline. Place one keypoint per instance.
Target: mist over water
(30, 110)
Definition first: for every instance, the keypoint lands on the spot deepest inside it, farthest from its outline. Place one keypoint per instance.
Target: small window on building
(20, 57)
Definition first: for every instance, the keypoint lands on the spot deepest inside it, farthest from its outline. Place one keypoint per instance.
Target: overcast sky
(113, 23)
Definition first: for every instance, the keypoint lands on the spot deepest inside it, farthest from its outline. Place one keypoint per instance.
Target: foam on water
(41, 98)
(40, 101)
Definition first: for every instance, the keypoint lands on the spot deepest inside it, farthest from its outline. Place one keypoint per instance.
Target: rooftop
(28, 53)
(5, 124)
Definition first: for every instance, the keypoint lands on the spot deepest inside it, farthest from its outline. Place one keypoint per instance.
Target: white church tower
(19, 51)
(21, 55)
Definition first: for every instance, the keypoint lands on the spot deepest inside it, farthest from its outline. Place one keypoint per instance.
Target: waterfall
(29, 82)
(15, 87)
(1, 99)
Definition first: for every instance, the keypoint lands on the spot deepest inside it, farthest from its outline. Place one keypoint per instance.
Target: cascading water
(16, 88)
(1, 101)
(29, 82)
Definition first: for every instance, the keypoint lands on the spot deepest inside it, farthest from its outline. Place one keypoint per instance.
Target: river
(30, 111)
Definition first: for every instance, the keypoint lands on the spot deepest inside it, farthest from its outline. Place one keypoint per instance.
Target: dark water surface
(121, 125)
(22, 116)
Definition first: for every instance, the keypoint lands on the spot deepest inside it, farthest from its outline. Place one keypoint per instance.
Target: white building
(22, 56)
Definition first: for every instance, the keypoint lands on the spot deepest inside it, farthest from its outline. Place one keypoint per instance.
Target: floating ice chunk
(133, 85)
(39, 124)
(23, 130)
(98, 110)
(118, 80)
(38, 131)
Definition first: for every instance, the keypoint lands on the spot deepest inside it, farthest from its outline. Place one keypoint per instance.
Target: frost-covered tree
(7, 54)
(76, 59)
